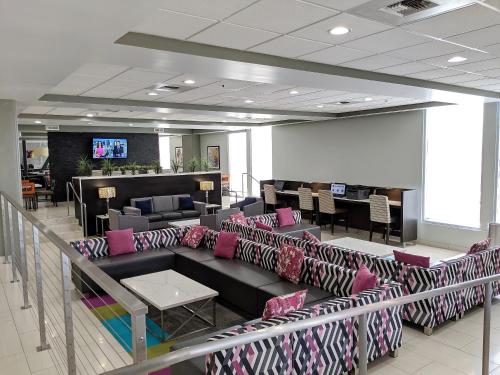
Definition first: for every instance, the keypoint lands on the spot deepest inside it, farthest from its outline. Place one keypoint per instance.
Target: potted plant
(123, 169)
(107, 167)
(174, 165)
(204, 165)
(192, 165)
(84, 166)
(134, 167)
(156, 166)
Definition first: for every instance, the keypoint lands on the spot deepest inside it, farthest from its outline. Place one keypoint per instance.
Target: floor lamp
(206, 186)
(107, 193)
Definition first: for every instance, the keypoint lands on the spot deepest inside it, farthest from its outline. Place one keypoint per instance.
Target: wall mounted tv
(109, 148)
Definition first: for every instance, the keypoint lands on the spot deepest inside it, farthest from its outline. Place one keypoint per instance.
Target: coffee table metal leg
(194, 314)
(162, 326)
(214, 312)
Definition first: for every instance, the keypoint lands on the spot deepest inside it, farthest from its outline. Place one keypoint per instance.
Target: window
(262, 156)
(237, 159)
(453, 149)
(164, 151)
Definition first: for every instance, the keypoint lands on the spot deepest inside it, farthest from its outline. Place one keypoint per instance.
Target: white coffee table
(184, 223)
(168, 289)
(368, 247)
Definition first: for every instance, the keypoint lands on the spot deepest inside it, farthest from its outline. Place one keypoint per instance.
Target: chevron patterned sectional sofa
(427, 313)
(327, 349)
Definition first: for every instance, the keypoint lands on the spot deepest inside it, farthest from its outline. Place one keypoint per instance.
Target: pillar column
(10, 165)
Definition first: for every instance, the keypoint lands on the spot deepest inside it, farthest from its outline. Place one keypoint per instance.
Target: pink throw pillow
(226, 245)
(285, 217)
(480, 246)
(310, 237)
(289, 264)
(238, 218)
(194, 237)
(364, 280)
(412, 259)
(120, 241)
(263, 226)
(282, 305)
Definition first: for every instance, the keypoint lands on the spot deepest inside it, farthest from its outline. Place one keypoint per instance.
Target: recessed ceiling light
(339, 30)
(248, 101)
(320, 106)
(151, 93)
(90, 115)
(38, 122)
(456, 59)
(294, 92)
(189, 82)
(163, 118)
(130, 124)
(368, 99)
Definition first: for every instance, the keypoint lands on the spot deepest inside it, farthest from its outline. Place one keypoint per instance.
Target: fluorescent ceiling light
(189, 82)
(151, 93)
(457, 59)
(368, 99)
(90, 115)
(163, 118)
(294, 92)
(248, 101)
(339, 30)
(320, 106)
(38, 122)
(130, 124)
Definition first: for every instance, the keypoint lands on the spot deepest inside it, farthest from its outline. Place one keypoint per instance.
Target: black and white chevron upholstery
(92, 248)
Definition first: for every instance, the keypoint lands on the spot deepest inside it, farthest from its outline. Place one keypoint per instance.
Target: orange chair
(29, 195)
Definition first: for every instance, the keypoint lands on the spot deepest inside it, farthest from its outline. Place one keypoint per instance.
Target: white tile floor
(454, 348)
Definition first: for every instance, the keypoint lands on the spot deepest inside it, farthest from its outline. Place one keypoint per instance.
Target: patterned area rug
(117, 322)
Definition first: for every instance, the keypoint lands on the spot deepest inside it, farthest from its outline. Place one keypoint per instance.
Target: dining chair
(380, 215)
(270, 198)
(306, 203)
(327, 207)
(29, 195)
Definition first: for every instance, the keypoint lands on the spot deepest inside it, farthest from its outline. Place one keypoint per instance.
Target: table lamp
(206, 186)
(106, 193)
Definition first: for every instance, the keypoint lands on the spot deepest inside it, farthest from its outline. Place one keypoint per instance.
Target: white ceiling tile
(480, 65)
(335, 55)
(408, 68)
(459, 78)
(482, 82)
(387, 41)
(295, 14)
(69, 89)
(233, 36)
(67, 111)
(494, 49)
(199, 81)
(491, 87)
(215, 9)
(478, 38)
(492, 73)
(374, 62)
(100, 70)
(338, 4)
(142, 76)
(173, 25)
(436, 73)
(359, 27)
(426, 50)
(470, 55)
(288, 46)
(37, 110)
(456, 22)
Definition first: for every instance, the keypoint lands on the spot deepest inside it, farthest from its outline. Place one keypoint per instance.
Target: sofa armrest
(137, 223)
(254, 209)
(209, 221)
(201, 207)
(128, 210)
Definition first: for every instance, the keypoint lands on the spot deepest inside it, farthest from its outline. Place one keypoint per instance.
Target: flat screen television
(109, 148)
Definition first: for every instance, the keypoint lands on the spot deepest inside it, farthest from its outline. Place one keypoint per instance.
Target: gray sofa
(250, 206)
(214, 221)
(165, 209)
(117, 220)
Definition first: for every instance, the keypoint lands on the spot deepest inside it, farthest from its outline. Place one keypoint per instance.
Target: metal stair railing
(83, 206)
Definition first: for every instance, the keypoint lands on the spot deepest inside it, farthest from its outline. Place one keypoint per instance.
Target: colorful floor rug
(117, 321)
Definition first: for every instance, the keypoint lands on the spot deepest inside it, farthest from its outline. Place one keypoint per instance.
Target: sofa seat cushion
(297, 230)
(244, 272)
(154, 217)
(170, 215)
(188, 213)
(134, 264)
(314, 294)
(197, 255)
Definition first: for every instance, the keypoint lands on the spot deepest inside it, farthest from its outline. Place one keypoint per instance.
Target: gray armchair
(251, 206)
(130, 220)
(214, 221)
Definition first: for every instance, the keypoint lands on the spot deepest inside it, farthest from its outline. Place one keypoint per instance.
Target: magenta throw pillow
(282, 305)
(289, 264)
(120, 241)
(412, 259)
(285, 217)
(310, 237)
(226, 245)
(194, 237)
(480, 246)
(238, 218)
(364, 280)
(263, 226)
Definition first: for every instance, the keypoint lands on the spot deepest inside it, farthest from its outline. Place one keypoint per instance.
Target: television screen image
(109, 148)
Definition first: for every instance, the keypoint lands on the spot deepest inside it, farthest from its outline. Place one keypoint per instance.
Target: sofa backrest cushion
(282, 305)
(479, 246)
(175, 200)
(163, 203)
(263, 226)
(134, 200)
(120, 241)
(412, 259)
(225, 246)
(364, 280)
(290, 260)
(146, 206)
(285, 217)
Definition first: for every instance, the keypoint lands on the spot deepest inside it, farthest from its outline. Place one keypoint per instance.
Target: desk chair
(380, 215)
(29, 195)
(48, 192)
(306, 204)
(327, 206)
(270, 198)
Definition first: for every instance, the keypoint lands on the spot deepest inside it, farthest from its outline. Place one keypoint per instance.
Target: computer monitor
(338, 190)
(278, 184)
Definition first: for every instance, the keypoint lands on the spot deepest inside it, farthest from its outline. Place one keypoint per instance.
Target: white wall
(216, 139)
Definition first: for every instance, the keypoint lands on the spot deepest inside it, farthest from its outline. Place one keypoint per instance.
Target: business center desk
(402, 202)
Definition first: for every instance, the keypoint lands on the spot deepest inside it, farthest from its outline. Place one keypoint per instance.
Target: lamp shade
(107, 192)
(206, 185)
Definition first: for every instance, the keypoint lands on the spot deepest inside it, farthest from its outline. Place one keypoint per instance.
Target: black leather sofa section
(297, 230)
(126, 265)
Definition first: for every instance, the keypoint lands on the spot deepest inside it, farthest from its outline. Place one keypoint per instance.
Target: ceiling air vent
(52, 128)
(407, 8)
(167, 88)
(159, 130)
